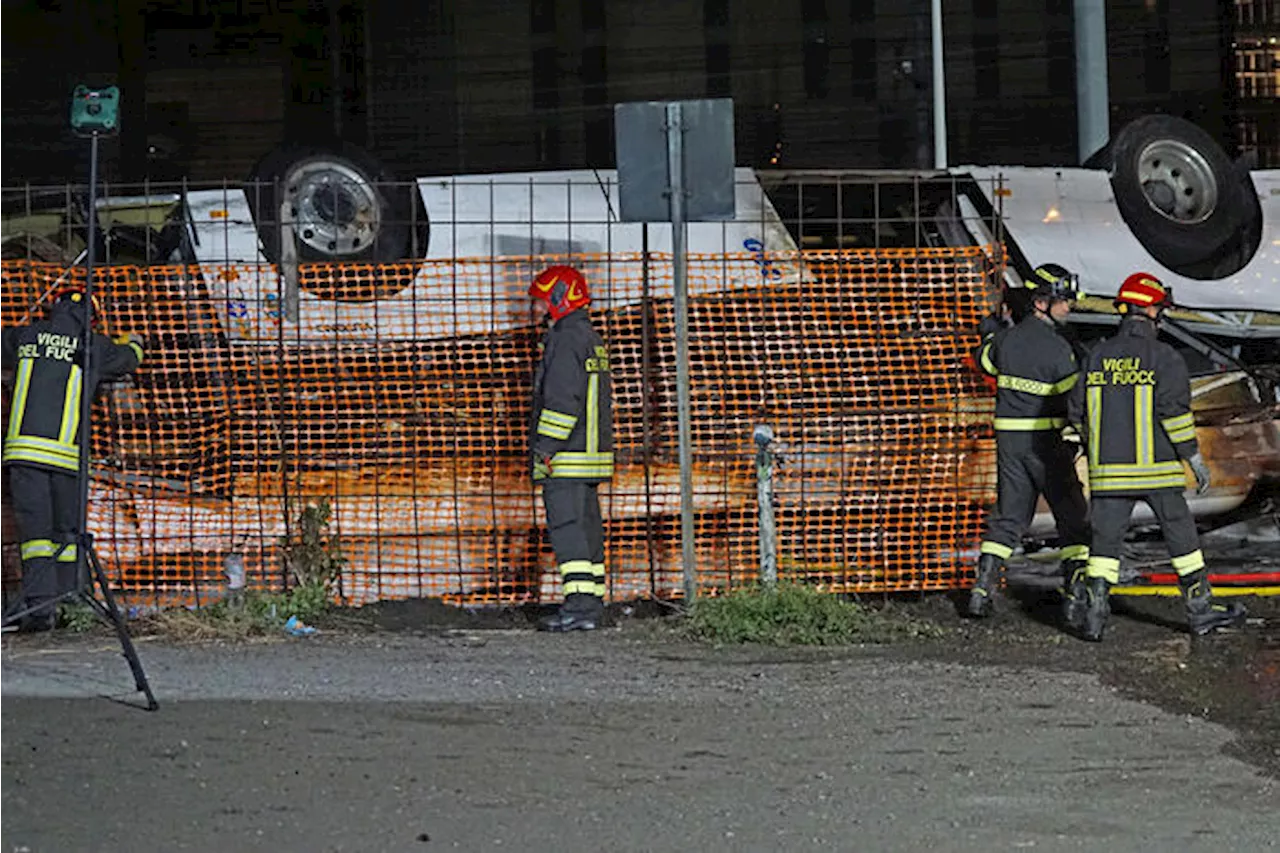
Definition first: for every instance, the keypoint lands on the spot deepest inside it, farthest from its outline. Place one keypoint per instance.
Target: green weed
(797, 615)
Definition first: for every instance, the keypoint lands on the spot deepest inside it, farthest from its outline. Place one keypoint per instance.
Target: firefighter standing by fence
(1133, 407)
(571, 443)
(42, 442)
(1035, 368)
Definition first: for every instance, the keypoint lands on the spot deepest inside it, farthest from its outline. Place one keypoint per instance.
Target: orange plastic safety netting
(405, 404)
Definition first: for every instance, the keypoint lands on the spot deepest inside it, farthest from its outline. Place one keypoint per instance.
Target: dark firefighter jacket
(572, 416)
(44, 418)
(1133, 407)
(1035, 368)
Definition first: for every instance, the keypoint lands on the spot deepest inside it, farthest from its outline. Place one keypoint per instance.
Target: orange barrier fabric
(401, 396)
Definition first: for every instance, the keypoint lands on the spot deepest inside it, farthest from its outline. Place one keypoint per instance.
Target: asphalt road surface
(999, 737)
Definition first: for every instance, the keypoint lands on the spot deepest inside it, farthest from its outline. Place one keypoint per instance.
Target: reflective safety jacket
(48, 384)
(1034, 368)
(572, 414)
(1133, 408)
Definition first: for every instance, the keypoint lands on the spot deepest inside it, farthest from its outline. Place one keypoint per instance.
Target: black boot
(984, 587)
(1075, 593)
(41, 618)
(1204, 615)
(580, 612)
(1097, 609)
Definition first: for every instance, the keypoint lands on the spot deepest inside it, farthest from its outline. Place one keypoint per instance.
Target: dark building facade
(1255, 52)
(444, 86)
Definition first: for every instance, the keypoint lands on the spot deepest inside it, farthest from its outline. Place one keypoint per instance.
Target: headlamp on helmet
(562, 288)
(1054, 282)
(1141, 290)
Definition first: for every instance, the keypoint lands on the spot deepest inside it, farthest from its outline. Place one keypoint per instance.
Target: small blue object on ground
(295, 627)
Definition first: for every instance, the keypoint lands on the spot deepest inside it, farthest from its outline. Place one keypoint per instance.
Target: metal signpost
(95, 113)
(675, 164)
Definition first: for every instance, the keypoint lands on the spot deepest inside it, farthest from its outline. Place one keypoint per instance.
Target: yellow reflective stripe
(984, 359)
(1129, 484)
(1126, 469)
(1107, 568)
(22, 384)
(577, 576)
(1075, 552)
(597, 572)
(1029, 424)
(1035, 386)
(579, 457)
(33, 548)
(603, 472)
(1004, 552)
(575, 567)
(43, 451)
(593, 412)
(1093, 408)
(1180, 428)
(1066, 383)
(71, 407)
(556, 424)
(553, 431)
(1144, 443)
(1188, 563)
(137, 350)
(551, 416)
(68, 553)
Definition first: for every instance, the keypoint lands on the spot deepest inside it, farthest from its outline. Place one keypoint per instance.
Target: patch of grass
(245, 615)
(314, 562)
(77, 617)
(798, 615)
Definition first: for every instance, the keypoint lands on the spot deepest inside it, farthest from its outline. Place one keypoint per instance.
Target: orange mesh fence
(400, 395)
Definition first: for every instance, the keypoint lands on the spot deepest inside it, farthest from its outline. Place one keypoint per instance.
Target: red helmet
(562, 288)
(1142, 289)
(74, 294)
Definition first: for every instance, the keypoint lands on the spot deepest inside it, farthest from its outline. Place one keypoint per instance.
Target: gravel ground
(413, 727)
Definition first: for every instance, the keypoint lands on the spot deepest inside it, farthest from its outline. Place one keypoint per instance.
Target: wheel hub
(335, 210)
(1178, 181)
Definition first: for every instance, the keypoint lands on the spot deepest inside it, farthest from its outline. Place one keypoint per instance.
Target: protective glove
(541, 467)
(1201, 470)
(991, 324)
(1072, 438)
(129, 338)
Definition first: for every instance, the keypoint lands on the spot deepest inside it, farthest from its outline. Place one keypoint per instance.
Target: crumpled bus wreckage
(321, 332)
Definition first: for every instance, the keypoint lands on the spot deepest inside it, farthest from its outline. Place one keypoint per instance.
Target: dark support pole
(88, 568)
(86, 348)
(1092, 97)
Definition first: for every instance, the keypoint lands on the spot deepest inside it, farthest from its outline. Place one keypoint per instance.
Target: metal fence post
(766, 455)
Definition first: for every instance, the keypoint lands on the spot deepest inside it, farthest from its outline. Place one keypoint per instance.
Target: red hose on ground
(1254, 578)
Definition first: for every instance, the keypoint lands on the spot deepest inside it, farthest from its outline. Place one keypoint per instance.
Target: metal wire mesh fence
(415, 433)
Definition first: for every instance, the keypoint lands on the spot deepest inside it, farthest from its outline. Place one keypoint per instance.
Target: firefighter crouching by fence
(571, 443)
(43, 439)
(1133, 408)
(1035, 368)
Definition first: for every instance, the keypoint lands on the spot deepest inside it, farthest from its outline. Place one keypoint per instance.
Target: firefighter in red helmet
(42, 442)
(1133, 408)
(571, 443)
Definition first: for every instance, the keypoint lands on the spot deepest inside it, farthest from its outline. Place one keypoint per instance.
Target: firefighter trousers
(1111, 523)
(1029, 464)
(46, 508)
(576, 530)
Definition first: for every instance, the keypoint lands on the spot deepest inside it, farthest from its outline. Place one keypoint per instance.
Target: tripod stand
(88, 568)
